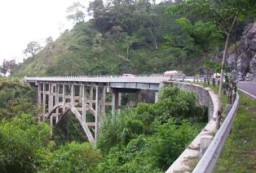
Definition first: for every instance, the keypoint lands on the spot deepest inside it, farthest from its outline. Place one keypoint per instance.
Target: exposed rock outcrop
(244, 58)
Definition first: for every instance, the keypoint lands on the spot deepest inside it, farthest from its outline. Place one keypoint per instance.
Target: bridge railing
(211, 156)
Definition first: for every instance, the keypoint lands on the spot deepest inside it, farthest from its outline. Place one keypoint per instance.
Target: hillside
(124, 38)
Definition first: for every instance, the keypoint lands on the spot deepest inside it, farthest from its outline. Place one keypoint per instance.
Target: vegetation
(28, 146)
(238, 154)
(221, 15)
(152, 135)
(123, 37)
(16, 98)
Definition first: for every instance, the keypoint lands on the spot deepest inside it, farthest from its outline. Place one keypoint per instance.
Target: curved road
(248, 88)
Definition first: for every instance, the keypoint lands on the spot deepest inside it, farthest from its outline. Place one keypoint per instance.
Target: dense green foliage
(68, 130)
(16, 97)
(219, 15)
(152, 135)
(239, 151)
(123, 37)
(26, 146)
(22, 144)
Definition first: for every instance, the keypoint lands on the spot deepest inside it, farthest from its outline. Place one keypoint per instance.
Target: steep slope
(114, 43)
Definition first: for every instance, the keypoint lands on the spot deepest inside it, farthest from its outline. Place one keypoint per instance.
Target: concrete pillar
(139, 97)
(205, 141)
(91, 97)
(116, 101)
(57, 93)
(50, 97)
(44, 99)
(156, 97)
(100, 108)
(103, 107)
(50, 102)
(84, 107)
(62, 96)
(39, 99)
(72, 95)
(97, 110)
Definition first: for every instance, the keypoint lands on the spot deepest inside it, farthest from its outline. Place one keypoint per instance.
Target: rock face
(244, 60)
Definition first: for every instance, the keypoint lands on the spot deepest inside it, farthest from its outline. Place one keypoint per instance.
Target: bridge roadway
(125, 82)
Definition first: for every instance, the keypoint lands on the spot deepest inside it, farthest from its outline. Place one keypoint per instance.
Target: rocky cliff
(244, 57)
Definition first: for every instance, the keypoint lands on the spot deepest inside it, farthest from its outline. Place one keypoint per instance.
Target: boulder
(245, 54)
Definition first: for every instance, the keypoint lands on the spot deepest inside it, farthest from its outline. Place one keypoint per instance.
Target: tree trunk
(224, 58)
(154, 38)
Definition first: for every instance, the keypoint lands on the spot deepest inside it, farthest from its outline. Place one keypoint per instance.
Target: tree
(74, 157)
(49, 40)
(96, 7)
(127, 43)
(16, 98)
(203, 34)
(23, 144)
(224, 14)
(76, 12)
(7, 66)
(32, 48)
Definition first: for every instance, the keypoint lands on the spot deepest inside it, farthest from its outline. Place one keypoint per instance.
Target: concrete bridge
(88, 98)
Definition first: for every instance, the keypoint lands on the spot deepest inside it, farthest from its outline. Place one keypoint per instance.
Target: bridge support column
(100, 98)
(39, 96)
(57, 92)
(116, 101)
(44, 100)
(83, 98)
(72, 95)
(139, 96)
(63, 97)
(156, 97)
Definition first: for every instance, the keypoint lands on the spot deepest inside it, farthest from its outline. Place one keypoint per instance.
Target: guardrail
(210, 157)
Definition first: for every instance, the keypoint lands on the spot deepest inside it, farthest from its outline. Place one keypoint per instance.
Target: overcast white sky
(23, 21)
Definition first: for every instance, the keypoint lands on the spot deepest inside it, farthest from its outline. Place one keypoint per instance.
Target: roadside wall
(206, 97)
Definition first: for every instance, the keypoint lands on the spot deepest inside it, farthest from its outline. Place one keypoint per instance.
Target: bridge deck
(137, 82)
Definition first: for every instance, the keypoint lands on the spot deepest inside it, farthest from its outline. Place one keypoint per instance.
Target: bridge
(89, 98)
(94, 96)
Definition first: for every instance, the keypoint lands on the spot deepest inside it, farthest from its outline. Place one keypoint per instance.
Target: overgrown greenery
(239, 151)
(16, 98)
(26, 145)
(152, 135)
(123, 37)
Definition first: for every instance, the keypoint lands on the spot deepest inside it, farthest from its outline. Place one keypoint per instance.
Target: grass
(239, 152)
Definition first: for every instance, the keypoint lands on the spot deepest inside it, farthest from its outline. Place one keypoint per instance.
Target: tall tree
(7, 66)
(76, 12)
(32, 48)
(223, 13)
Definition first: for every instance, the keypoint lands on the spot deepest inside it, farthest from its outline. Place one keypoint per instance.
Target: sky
(23, 21)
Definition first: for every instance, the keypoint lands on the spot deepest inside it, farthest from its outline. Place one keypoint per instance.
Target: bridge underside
(89, 102)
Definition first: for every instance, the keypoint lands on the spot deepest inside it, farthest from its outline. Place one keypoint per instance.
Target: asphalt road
(248, 87)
